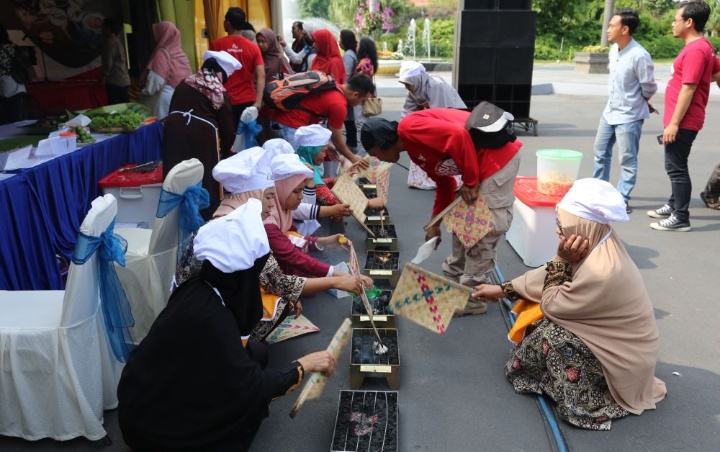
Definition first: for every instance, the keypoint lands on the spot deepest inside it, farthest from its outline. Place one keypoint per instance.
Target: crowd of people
(247, 269)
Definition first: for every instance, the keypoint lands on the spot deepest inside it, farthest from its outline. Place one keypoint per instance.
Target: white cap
(288, 165)
(246, 171)
(312, 135)
(233, 242)
(226, 61)
(410, 69)
(278, 146)
(594, 200)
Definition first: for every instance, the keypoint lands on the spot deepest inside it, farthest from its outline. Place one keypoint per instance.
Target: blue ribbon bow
(249, 130)
(191, 202)
(115, 306)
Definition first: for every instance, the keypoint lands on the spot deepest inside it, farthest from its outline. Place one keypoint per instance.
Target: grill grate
(379, 304)
(362, 347)
(383, 231)
(366, 421)
(382, 260)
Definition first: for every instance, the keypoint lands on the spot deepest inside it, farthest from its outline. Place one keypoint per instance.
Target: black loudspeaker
(495, 57)
(497, 28)
(498, 4)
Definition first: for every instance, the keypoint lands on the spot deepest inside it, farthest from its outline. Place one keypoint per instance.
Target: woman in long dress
(425, 91)
(591, 342)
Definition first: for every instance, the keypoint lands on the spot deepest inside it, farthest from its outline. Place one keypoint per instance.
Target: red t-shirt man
(241, 84)
(695, 65)
(436, 140)
(330, 104)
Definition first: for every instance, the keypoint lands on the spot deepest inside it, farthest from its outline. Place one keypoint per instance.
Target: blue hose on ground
(542, 403)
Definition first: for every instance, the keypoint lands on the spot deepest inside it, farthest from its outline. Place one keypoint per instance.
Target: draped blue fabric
(250, 130)
(42, 208)
(115, 306)
(191, 202)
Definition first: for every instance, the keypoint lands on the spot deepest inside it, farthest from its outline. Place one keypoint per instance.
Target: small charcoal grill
(385, 238)
(364, 362)
(366, 421)
(364, 182)
(382, 316)
(374, 217)
(384, 265)
(369, 193)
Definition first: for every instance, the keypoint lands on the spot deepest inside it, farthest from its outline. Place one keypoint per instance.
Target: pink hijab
(328, 59)
(168, 59)
(280, 216)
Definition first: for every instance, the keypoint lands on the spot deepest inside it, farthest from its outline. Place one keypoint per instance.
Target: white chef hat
(246, 171)
(278, 146)
(594, 200)
(226, 61)
(410, 69)
(288, 165)
(312, 135)
(233, 242)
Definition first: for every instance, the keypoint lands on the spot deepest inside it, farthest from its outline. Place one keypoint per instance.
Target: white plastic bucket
(557, 169)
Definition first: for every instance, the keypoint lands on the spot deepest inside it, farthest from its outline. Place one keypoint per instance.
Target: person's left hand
(469, 193)
(375, 203)
(258, 104)
(572, 249)
(360, 162)
(333, 241)
(434, 231)
(367, 281)
(488, 292)
(298, 309)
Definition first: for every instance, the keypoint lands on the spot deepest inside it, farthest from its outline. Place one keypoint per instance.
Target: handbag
(372, 106)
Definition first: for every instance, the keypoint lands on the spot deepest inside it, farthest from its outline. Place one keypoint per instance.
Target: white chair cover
(57, 370)
(151, 259)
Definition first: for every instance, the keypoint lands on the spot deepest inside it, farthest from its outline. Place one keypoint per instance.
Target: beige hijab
(607, 306)
(235, 200)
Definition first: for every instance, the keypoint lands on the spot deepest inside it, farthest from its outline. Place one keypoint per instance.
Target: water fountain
(426, 38)
(400, 47)
(384, 46)
(410, 44)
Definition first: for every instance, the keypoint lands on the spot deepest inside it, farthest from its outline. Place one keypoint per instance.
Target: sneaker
(671, 224)
(628, 209)
(472, 307)
(662, 212)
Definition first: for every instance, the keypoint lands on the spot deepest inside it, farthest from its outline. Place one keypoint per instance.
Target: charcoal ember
(382, 260)
(378, 304)
(370, 212)
(362, 347)
(366, 421)
(364, 181)
(383, 231)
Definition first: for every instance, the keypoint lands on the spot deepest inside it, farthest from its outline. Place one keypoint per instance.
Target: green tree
(315, 8)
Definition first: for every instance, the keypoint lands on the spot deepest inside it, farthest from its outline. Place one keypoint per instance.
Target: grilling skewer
(378, 346)
(382, 216)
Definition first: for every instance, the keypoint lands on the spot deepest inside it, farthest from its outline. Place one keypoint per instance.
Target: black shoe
(662, 212)
(628, 209)
(671, 224)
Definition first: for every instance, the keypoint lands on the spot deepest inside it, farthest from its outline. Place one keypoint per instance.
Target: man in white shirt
(630, 86)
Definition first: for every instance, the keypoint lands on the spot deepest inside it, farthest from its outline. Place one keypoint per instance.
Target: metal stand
(527, 124)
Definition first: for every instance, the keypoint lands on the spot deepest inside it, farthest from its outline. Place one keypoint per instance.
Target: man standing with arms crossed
(630, 86)
(686, 97)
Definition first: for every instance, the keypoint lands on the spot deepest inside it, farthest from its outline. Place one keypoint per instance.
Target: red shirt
(436, 141)
(241, 84)
(330, 104)
(695, 65)
(291, 259)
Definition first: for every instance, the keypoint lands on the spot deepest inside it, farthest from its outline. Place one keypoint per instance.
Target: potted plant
(592, 60)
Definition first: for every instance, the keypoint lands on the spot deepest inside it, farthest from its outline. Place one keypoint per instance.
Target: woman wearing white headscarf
(425, 91)
(192, 384)
(247, 176)
(595, 345)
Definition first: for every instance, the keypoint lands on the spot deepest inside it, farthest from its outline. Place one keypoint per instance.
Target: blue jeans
(676, 167)
(278, 130)
(627, 137)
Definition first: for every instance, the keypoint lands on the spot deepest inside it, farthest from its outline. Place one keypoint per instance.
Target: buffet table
(41, 208)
